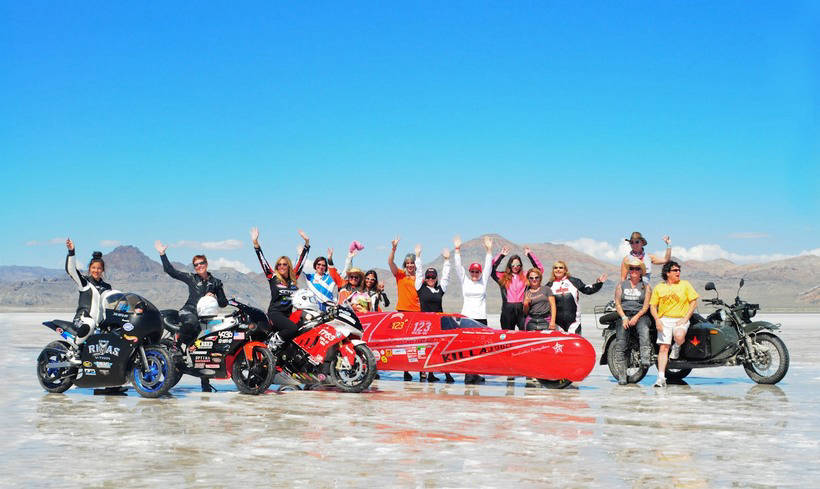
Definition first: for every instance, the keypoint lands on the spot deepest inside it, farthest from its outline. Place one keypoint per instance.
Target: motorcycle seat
(170, 320)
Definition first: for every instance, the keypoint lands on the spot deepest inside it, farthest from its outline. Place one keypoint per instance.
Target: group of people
(527, 302)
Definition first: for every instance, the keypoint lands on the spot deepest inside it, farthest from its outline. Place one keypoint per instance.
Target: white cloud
(227, 244)
(52, 241)
(56, 241)
(749, 235)
(109, 242)
(33, 242)
(225, 263)
(702, 252)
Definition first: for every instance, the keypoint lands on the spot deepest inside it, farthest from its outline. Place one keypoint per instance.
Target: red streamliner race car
(435, 342)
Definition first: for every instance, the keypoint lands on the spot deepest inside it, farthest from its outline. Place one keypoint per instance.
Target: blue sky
(568, 121)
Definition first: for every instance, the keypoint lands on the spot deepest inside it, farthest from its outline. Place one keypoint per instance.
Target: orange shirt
(408, 297)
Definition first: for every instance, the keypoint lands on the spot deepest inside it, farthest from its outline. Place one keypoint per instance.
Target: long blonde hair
(566, 269)
(291, 273)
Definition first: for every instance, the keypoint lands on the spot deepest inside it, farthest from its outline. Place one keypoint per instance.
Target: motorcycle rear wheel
(253, 377)
(176, 358)
(59, 379)
(635, 372)
(554, 384)
(359, 376)
(770, 360)
(155, 379)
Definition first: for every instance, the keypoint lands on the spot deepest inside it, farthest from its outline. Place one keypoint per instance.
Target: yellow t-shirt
(673, 300)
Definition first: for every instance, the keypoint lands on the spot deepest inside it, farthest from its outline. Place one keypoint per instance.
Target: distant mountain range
(791, 285)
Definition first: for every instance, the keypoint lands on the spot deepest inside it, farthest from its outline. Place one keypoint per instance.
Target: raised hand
(160, 247)
(255, 236)
(69, 244)
(352, 253)
(457, 242)
(304, 236)
(395, 243)
(666, 240)
(505, 250)
(445, 253)
(381, 286)
(527, 250)
(602, 278)
(330, 253)
(488, 243)
(418, 250)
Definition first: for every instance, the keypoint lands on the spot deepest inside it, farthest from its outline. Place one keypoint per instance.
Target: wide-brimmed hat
(636, 235)
(355, 272)
(634, 262)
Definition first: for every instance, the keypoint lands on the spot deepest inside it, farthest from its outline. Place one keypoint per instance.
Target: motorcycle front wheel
(359, 376)
(58, 379)
(254, 376)
(176, 358)
(769, 360)
(635, 372)
(155, 379)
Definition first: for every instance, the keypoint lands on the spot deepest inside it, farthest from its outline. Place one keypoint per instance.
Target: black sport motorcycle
(229, 345)
(125, 346)
(726, 337)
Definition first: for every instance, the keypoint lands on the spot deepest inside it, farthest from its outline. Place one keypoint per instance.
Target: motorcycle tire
(771, 365)
(554, 384)
(153, 380)
(360, 376)
(677, 374)
(55, 380)
(253, 377)
(176, 358)
(635, 372)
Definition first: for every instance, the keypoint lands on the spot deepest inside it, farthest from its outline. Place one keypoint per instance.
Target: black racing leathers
(567, 294)
(197, 289)
(281, 290)
(88, 304)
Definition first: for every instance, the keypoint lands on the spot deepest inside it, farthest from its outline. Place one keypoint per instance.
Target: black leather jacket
(197, 287)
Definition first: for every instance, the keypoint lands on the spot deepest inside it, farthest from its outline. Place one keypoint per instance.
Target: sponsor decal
(558, 347)
(132, 339)
(199, 365)
(103, 364)
(216, 355)
(399, 324)
(421, 327)
(399, 351)
(503, 336)
(225, 334)
(214, 322)
(103, 347)
(105, 372)
(90, 371)
(205, 345)
(128, 327)
(421, 351)
(87, 364)
(212, 365)
(226, 340)
(472, 352)
(384, 359)
(210, 338)
(412, 356)
(59, 330)
(239, 336)
(202, 359)
(121, 315)
(388, 353)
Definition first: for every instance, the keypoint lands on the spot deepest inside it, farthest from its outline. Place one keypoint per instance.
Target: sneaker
(674, 353)
(661, 382)
(530, 382)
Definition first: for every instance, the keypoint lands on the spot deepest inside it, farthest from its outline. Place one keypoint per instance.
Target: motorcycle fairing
(105, 358)
(66, 329)
(317, 341)
(755, 326)
(247, 348)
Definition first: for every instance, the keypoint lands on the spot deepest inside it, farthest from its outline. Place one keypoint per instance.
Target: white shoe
(661, 382)
(275, 342)
(73, 357)
(675, 352)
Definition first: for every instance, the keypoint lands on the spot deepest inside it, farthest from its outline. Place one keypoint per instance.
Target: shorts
(665, 336)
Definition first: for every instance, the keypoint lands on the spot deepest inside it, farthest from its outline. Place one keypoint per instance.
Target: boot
(431, 377)
(206, 385)
(407, 377)
(73, 356)
(275, 342)
(449, 378)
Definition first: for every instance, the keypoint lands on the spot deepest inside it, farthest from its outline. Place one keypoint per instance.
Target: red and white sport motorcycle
(328, 350)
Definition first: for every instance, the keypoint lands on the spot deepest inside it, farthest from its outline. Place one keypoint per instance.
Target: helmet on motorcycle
(305, 300)
(207, 306)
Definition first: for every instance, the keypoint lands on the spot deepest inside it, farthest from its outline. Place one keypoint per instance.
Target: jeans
(622, 339)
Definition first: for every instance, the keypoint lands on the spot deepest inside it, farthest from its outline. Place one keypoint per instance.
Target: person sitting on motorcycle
(326, 281)
(90, 310)
(200, 283)
(539, 303)
(637, 242)
(282, 281)
(406, 283)
(672, 304)
(568, 292)
(632, 303)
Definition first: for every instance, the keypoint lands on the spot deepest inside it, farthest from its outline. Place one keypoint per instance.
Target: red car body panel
(416, 341)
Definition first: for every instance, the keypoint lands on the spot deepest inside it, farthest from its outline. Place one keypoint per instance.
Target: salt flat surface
(718, 430)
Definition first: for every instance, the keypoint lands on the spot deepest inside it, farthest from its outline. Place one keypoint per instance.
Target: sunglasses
(534, 278)
(321, 264)
(557, 268)
(430, 277)
(515, 265)
(674, 270)
(634, 269)
(354, 278)
(636, 242)
(369, 279)
(281, 264)
(475, 271)
(200, 263)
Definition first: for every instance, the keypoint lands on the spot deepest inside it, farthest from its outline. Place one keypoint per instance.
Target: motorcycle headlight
(723, 315)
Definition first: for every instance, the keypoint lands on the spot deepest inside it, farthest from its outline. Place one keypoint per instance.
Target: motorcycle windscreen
(105, 360)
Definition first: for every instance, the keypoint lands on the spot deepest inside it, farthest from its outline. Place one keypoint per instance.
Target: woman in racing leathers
(474, 290)
(200, 283)
(282, 281)
(431, 293)
(513, 284)
(567, 291)
(90, 310)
